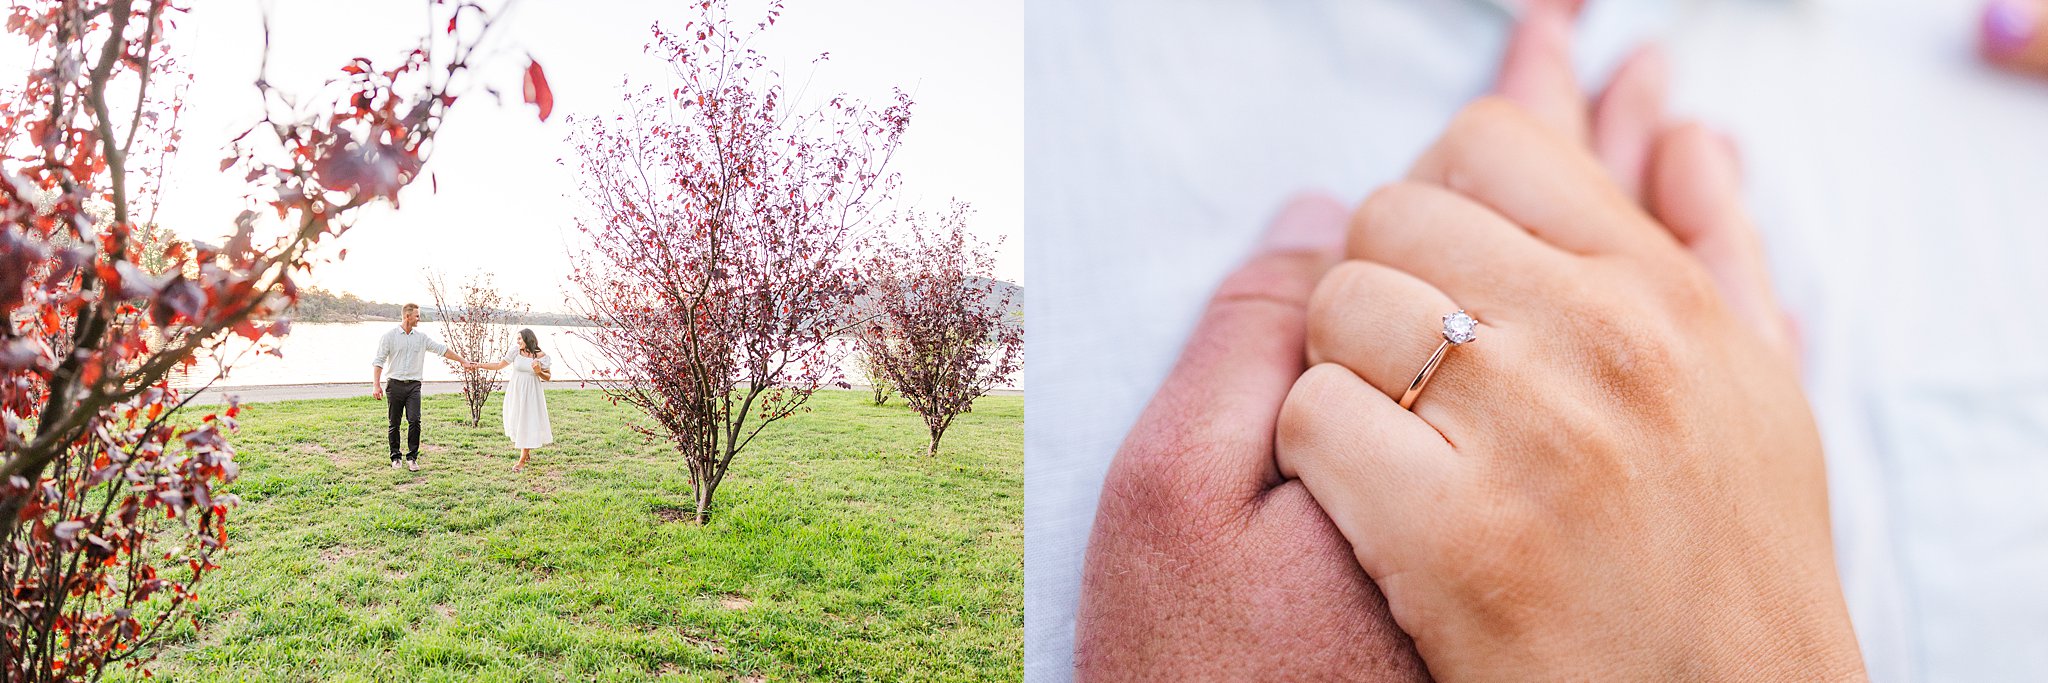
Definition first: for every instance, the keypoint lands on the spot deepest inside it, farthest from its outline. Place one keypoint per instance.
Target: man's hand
(377, 391)
(1204, 564)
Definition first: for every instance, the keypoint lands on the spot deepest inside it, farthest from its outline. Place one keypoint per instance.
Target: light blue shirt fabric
(402, 353)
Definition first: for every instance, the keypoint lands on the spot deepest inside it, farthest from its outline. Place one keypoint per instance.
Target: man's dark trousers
(402, 396)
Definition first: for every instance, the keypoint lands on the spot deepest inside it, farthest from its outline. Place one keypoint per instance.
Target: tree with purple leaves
(942, 330)
(718, 273)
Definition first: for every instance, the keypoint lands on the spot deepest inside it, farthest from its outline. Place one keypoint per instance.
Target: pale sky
(505, 205)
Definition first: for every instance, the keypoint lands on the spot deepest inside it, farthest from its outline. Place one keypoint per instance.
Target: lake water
(322, 353)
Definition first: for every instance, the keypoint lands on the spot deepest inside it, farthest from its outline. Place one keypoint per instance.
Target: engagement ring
(1459, 329)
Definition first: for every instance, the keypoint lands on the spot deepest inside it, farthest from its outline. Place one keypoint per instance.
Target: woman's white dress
(526, 405)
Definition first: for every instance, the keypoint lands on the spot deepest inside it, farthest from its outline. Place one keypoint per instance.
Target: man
(399, 353)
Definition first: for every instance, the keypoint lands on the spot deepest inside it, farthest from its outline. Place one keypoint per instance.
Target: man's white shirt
(402, 354)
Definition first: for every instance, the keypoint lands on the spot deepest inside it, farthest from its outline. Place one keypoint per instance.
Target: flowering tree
(478, 327)
(722, 218)
(109, 517)
(942, 332)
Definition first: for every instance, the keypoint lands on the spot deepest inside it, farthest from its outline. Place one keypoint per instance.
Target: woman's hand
(1619, 479)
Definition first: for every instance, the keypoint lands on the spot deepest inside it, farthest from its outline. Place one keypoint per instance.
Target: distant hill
(1016, 293)
(1014, 313)
(318, 305)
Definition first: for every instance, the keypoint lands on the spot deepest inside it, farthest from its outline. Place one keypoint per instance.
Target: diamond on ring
(1460, 328)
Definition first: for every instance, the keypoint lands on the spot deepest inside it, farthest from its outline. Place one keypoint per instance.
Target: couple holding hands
(1531, 413)
(397, 369)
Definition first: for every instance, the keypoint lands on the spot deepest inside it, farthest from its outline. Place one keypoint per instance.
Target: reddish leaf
(537, 92)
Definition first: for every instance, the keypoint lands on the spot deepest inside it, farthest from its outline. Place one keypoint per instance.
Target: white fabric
(402, 354)
(1898, 181)
(526, 403)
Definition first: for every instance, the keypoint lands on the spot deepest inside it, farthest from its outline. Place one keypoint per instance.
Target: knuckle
(1636, 358)
(1679, 286)
(1387, 204)
(1473, 139)
(1334, 290)
(1486, 118)
(1485, 110)
(1387, 215)
(1280, 278)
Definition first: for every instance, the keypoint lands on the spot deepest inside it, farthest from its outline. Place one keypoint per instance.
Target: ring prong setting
(1459, 328)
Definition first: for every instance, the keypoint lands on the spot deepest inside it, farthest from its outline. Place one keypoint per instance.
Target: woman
(526, 406)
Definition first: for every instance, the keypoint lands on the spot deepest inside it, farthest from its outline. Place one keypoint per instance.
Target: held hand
(1204, 564)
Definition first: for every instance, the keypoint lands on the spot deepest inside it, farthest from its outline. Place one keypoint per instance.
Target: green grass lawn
(836, 551)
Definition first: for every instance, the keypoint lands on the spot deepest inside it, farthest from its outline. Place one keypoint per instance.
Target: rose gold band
(1422, 378)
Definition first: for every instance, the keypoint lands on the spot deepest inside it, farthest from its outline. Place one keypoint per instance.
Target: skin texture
(1205, 562)
(1620, 479)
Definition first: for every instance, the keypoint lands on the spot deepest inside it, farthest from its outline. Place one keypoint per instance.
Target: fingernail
(2009, 25)
(1309, 222)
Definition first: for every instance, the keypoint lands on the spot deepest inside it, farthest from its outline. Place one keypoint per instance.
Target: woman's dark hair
(528, 342)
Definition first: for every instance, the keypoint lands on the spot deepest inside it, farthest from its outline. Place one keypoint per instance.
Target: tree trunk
(933, 451)
(704, 491)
